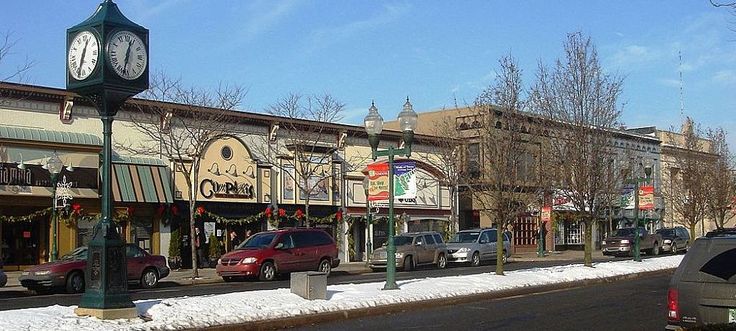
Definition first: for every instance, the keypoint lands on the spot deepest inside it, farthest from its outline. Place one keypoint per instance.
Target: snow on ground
(240, 307)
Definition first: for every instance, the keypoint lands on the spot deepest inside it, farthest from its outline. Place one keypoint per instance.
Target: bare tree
(506, 166)
(720, 179)
(178, 124)
(444, 154)
(306, 145)
(688, 192)
(17, 73)
(582, 99)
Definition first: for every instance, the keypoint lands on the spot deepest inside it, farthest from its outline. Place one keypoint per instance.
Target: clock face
(82, 55)
(127, 55)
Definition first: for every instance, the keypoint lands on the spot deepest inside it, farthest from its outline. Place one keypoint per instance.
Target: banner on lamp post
(405, 181)
(378, 181)
(646, 197)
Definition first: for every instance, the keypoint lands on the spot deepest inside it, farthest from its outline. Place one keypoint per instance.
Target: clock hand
(81, 59)
(127, 55)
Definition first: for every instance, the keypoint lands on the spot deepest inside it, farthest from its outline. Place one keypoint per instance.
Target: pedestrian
(234, 240)
(199, 242)
(247, 234)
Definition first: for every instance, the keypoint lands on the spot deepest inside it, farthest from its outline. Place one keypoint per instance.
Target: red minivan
(267, 254)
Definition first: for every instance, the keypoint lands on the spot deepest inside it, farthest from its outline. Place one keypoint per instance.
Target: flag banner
(405, 181)
(646, 197)
(378, 181)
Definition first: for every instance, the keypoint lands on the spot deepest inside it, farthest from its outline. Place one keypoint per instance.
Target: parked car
(267, 254)
(413, 249)
(675, 239)
(703, 289)
(476, 246)
(622, 242)
(68, 271)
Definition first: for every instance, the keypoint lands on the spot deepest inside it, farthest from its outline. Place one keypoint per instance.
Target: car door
(136, 261)
(305, 250)
(429, 249)
(487, 242)
(286, 256)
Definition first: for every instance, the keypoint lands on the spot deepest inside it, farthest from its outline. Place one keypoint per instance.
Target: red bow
(200, 210)
(76, 208)
(268, 212)
(338, 215)
(299, 213)
(282, 212)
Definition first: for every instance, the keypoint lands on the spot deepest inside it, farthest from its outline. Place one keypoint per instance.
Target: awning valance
(141, 183)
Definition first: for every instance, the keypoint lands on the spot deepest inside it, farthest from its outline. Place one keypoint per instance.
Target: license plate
(732, 315)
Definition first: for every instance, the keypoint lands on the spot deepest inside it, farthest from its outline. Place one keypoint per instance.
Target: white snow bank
(203, 311)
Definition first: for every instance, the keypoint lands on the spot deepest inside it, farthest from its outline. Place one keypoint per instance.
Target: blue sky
(435, 52)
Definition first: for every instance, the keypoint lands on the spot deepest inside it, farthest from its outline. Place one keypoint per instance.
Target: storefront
(28, 157)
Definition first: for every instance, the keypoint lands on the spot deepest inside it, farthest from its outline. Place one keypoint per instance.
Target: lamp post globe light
(373, 126)
(637, 239)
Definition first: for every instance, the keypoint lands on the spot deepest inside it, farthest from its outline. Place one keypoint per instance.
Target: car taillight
(673, 305)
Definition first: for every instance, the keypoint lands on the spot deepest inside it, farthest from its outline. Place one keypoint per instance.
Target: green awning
(141, 183)
(60, 137)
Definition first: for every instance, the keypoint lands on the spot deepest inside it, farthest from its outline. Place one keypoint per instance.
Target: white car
(476, 246)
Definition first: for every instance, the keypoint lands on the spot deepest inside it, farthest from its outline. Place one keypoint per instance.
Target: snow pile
(240, 307)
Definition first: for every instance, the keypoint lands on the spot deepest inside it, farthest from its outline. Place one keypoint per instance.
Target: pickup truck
(622, 242)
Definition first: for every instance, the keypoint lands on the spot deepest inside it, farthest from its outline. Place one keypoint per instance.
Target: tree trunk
(588, 243)
(692, 230)
(499, 247)
(306, 212)
(193, 241)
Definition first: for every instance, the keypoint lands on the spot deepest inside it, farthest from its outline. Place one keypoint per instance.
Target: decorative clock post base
(106, 275)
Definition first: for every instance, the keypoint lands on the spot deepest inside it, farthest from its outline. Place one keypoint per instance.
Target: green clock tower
(107, 63)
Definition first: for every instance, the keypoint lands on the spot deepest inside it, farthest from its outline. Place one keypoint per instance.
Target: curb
(317, 318)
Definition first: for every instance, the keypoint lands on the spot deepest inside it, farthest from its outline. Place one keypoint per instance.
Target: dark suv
(675, 239)
(703, 289)
(267, 254)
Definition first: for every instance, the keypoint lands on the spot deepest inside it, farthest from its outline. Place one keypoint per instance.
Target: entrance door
(21, 243)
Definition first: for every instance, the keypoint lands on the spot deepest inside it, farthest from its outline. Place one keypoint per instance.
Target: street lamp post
(637, 240)
(54, 167)
(368, 221)
(373, 126)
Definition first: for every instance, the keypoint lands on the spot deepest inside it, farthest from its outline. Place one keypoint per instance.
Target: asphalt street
(21, 298)
(635, 304)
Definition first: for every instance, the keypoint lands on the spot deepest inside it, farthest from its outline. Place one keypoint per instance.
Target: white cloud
(633, 54)
(725, 76)
(322, 38)
(266, 15)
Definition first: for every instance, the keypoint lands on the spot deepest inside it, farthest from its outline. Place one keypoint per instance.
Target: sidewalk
(208, 275)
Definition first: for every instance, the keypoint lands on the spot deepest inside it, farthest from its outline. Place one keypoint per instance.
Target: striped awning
(141, 183)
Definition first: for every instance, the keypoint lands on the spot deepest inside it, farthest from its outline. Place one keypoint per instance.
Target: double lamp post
(373, 126)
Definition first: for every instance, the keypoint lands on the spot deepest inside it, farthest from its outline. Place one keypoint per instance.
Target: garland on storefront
(271, 216)
(26, 218)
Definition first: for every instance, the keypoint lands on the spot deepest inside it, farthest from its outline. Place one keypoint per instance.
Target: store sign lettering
(11, 175)
(210, 188)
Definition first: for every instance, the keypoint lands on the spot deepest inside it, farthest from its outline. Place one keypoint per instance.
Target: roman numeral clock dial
(126, 55)
(82, 55)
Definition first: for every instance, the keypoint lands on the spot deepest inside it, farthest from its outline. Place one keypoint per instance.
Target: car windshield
(629, 232)
(260, 240)
(78, 254)
(666, 232)
(402, 240)
(464, 237)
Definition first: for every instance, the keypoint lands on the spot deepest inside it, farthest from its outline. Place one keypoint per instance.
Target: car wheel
(228, 279)
(504, 258)
(408, 263)
(75, 282)
(475, 260)
(325, 266)
(655, 249)
(149, 279)
(268, 271)
(441, 261)
(673, 248)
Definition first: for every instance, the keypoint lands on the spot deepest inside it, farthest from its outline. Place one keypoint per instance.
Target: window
(474, 160)
(438, 238)
(287, 241)
(428, 239)
(418, 240)
(133, 251)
